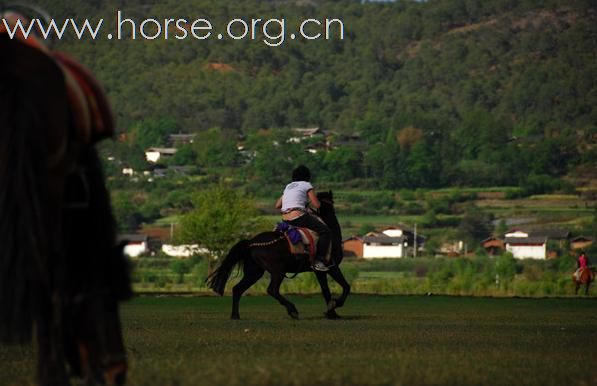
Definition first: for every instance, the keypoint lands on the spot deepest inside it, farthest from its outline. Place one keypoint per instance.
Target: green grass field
(381, 340)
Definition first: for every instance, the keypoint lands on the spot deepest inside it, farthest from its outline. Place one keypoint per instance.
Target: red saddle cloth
(307, 245)
(92, 115)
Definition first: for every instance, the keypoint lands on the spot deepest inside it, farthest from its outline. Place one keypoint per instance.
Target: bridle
(29, 11)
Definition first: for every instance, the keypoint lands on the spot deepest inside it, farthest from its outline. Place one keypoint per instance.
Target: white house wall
(134, 250)
(152, 156)
(183, 250)
(381, 251)
(527, 251)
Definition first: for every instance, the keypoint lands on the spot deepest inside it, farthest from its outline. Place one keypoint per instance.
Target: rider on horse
(293, 205)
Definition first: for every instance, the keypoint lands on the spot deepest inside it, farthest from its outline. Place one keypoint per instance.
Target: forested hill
(459, 85)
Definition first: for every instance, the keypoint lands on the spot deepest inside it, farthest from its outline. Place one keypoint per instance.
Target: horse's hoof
(294, 315)
(332, 304)
(332, 315)
(235, 317)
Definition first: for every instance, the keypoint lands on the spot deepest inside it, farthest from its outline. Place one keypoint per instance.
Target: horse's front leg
(274, 291)
(51, 369)
(337, 275)
(322, 278)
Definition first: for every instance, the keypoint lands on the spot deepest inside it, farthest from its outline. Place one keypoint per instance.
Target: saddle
(301, 241)
(92, 116)
(578, 274)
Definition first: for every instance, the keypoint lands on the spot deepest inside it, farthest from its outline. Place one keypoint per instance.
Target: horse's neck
(329, 218)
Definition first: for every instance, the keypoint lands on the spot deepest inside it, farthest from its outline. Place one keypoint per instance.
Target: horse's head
(326, 199)
(93, 339)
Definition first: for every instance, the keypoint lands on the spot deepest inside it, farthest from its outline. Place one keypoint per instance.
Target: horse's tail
(218, 278)
(24, 239)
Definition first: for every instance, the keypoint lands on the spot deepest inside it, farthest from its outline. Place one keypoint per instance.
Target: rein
(267, 243)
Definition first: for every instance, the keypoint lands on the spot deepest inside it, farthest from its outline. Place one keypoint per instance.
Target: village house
(527, 245)
(534, 247)
(561, 237)
(154, 154)
(493, 246)
(381, 245)
(374, 245)
(177, 140)
(580, 242)
(524, 246)
(392, 242)
(353, 247)
(452, 248)
(136, 244)
(301, 134)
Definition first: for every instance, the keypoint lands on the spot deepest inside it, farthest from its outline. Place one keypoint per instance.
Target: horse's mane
(327, 213)
(24, 236)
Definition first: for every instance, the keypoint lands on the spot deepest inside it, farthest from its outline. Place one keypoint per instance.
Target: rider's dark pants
(309, 221)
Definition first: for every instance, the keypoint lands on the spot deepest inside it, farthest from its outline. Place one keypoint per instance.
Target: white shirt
(295, 195)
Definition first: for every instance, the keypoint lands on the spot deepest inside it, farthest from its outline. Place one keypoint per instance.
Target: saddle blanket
(93, 118)
(301, 241)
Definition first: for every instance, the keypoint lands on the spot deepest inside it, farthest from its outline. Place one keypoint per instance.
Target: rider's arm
(313, 198)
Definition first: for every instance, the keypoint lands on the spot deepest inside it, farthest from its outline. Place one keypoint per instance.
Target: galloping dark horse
(61, 273)
(585, 277)
(269, 251)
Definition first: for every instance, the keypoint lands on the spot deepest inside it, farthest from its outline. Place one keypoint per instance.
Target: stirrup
(319, 266)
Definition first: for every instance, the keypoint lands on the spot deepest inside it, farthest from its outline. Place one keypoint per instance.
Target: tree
(343, 164)
(422, 166)
(505, 269)
(153, 132)
(184, 156)
(219, 218)
(216, 147)
(475, 225)
(409, 136)
(180, 268)
(127, 215)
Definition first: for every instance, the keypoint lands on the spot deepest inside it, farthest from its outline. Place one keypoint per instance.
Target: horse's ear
(331, 194)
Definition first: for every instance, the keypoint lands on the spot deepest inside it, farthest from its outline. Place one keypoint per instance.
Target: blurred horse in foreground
(61, 273)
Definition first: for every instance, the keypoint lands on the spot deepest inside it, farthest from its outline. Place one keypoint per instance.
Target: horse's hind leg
(274, 290)
(251, 273)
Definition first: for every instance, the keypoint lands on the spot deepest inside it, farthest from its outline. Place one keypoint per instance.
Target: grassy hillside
(440, 93)
(419, 97)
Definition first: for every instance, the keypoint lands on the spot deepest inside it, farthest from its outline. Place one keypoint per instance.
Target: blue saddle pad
(292, 233)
